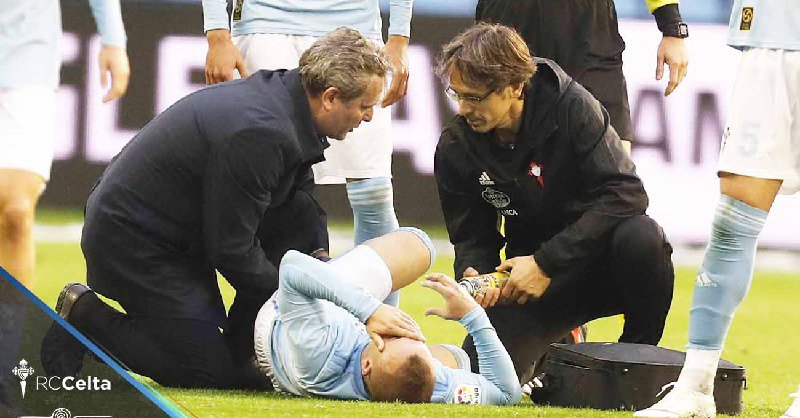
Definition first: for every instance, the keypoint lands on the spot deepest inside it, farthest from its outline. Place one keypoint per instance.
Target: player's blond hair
(488, 55)
(344, 59)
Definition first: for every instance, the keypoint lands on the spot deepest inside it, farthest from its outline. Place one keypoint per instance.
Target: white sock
(699, 370)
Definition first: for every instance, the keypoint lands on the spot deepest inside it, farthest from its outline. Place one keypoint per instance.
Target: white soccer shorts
(366, 152)
(762, 137)
(27, 128)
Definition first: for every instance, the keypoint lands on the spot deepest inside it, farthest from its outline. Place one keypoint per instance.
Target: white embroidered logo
(485, 180)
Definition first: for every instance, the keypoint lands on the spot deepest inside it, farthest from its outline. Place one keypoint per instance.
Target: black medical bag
(623, 376)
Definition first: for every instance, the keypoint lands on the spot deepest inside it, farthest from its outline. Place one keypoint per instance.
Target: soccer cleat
(794, 410)
(61, 353)
(681, 403)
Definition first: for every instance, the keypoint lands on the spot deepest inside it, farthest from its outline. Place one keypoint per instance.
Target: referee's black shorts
(579, 35)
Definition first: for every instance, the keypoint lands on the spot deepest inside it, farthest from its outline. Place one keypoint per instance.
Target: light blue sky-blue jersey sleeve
(304, 280)
(108, 18)
(215, 16)
(400, 17)
(497, 383)
(317, 339)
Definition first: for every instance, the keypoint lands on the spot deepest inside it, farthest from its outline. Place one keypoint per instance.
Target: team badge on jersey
(496, 198)
(535, 171)
(747, 18)
(468, 394)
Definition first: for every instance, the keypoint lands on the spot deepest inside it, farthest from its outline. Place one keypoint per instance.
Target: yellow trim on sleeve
(655, 4)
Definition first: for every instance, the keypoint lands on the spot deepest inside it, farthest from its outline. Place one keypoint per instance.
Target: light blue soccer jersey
(307, 17)
(765, 24)
(29, 34)
(318, 338)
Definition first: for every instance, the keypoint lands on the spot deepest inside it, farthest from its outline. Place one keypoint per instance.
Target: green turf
(763, 339)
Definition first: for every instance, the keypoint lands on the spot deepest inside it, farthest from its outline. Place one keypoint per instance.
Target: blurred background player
(29, 74)
(583, 38)
(272, 35)
(760, 157)
(326, 333)
(534, 147)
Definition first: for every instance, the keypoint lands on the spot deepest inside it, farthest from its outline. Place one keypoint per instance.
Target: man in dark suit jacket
(220, 181)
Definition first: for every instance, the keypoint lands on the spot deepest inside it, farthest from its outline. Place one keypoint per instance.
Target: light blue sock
(373, 213)
(726, 273)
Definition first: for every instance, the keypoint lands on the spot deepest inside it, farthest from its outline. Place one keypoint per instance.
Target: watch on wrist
(676, 30)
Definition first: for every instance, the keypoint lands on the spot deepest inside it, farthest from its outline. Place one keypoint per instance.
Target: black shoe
(61, 353)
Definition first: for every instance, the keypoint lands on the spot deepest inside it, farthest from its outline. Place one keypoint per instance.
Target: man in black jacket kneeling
(532, 147)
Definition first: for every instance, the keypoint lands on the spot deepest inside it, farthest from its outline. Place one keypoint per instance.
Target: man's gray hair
(344, 59)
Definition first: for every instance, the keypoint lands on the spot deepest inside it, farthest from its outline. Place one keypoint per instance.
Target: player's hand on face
(222, 58)
(395, 49)
(391, 322)
(457, 301)
(114, 60)
(672, 51)
(527, 279)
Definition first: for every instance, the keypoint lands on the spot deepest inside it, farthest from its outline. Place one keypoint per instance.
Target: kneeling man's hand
(388, 321)
(527, 279)
(457, 301)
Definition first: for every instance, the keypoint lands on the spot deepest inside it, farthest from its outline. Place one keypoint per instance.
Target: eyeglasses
(456, 96)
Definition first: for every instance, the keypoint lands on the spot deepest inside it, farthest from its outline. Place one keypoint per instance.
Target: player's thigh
(758, 158)
(271, 51)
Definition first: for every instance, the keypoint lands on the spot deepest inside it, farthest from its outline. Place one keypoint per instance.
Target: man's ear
(516, 90)
(366, 366)
(328, 97)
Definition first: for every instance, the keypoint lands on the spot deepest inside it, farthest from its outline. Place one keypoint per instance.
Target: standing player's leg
(27, 131)
(756, 162)
(19, 193)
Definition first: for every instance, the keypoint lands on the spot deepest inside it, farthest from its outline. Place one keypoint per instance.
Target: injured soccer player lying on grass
(326, 333)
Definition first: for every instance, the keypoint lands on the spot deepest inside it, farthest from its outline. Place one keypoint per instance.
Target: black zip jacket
(199, 178)
(562, 189)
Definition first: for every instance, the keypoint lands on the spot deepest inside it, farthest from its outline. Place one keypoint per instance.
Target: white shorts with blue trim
(762, 136)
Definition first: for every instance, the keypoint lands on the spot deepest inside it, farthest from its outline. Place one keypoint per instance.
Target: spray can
(478, 285)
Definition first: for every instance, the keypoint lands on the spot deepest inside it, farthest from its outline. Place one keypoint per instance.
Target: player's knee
(424, 245)
(639, 239)
(16, 219)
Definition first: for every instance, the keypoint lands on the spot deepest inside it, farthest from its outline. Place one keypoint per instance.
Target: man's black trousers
(633, 276)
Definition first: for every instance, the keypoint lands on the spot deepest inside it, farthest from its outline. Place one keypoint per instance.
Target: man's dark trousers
(187, 349)
(634, 277)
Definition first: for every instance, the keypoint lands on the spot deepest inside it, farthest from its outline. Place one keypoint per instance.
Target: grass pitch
(763, 339)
